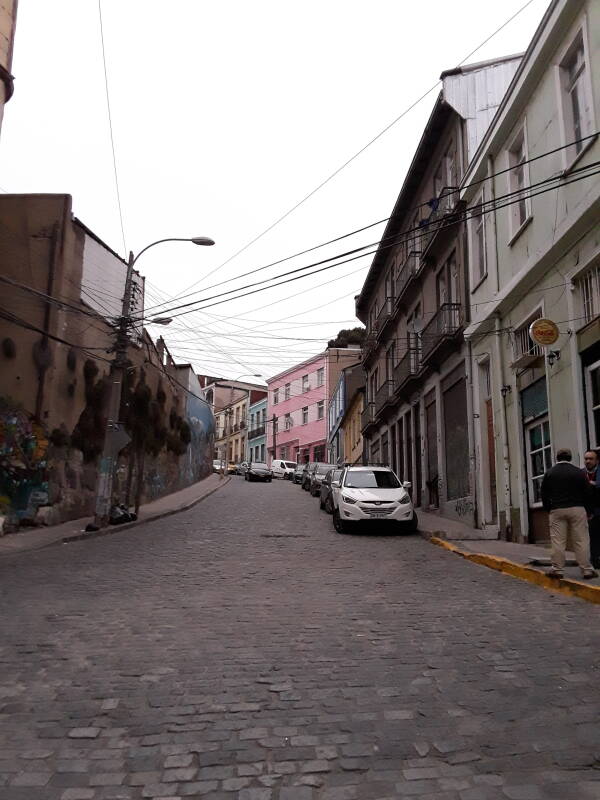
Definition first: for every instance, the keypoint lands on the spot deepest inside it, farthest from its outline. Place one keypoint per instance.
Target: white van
(283, 469)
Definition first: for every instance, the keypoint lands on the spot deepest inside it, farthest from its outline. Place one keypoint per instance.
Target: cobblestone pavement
(244, 649)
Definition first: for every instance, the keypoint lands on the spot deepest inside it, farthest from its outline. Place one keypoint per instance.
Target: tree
(348, 336)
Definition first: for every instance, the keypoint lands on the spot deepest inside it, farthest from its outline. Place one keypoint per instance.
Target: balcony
(384, 397)
(370, 344)
(367, 418)
(409, 271)
(441, 334)
(443, 207)
(384, 316)
(254, 433)
(407, 369)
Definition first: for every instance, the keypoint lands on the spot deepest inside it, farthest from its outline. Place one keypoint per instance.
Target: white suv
(374, 494)
(283, 469)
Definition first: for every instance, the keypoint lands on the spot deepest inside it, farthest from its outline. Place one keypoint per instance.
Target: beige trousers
(563, 521)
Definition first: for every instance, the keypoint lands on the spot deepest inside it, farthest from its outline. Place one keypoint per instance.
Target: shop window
(592, 386)
(539, 456)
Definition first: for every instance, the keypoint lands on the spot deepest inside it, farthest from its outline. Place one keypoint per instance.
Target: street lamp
(115, 438)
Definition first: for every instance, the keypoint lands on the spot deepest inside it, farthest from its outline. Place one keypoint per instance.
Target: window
(305, 415)
(524, 344)
(592, 389)
(320, 376)
(588, 286)
(287, 422)
(286, 392)
(539, 456)
(283, 452)
(477, 236)
(518, 181)
(275, 396)
(320, 409)
(262, 454)
(305, 386)
(576, 96)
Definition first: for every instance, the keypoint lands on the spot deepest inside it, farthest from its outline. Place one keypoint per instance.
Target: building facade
(231, 423)
(257, 431)
(56, 348)
(415, 305)
(351, 424)
(297, 402)
(350, 379)
(537, 254)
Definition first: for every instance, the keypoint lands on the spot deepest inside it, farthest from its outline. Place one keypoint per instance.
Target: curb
(78, 537)
(567, 586)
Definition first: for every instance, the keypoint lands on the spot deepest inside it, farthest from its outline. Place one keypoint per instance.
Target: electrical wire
(359, 152)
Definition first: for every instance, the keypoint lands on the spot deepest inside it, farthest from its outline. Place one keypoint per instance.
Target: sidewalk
(473, 542)
(36, 538)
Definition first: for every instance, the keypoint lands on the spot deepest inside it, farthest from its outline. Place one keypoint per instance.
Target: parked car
(227, 468)
(283, 469)
(330, 481)
(257, 471)
(306, 475)
(316, 478)
(372, 494)
(217, 465)
(299, 472)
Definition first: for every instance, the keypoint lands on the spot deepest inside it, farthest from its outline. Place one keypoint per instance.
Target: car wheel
(269, 480)
(321, 504)
(338, 522)
(410, 526)
(328, 506)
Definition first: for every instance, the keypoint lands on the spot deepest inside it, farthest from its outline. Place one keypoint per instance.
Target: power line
(358, 153)
(478, 209)
(110, 126)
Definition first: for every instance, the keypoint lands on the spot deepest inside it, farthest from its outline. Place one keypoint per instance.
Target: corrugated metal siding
(476, 95)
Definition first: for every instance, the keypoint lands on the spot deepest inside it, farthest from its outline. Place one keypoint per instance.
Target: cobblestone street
(244, 649)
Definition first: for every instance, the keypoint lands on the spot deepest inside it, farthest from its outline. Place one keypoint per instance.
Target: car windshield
(259, 465)
(371, 479)
(321, 469)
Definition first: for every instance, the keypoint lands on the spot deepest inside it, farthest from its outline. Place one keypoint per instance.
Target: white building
(535, 252)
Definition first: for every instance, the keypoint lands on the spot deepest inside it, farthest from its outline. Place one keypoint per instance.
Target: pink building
(297, 405)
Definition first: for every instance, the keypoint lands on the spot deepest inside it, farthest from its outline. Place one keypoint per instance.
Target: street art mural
(23, 464)
(202, 426)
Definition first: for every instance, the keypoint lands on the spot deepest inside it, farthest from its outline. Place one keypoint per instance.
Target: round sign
(544, 332)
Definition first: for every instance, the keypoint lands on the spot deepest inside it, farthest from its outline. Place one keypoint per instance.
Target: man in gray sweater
(568, 497)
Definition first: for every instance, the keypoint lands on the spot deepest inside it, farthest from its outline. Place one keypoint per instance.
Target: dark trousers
(594, 524)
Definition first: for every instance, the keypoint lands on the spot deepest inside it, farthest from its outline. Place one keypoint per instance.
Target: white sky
(226, 113)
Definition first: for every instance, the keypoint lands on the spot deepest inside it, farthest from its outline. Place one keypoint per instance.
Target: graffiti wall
(23, 465)
(202, 426)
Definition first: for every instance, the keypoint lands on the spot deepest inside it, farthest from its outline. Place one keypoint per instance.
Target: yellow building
(231, 431)
(351, 426)
(8, 18)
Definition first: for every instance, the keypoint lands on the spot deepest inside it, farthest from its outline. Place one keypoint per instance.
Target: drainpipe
(471, 433)
(503, 422)
(43, 355)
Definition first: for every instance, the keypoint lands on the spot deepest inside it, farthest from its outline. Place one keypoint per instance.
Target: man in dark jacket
(592, 473)
(568, 496)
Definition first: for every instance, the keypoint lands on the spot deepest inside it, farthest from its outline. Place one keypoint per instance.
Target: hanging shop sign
(544, 332)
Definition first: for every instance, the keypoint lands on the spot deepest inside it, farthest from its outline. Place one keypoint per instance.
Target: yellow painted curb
(568, 586)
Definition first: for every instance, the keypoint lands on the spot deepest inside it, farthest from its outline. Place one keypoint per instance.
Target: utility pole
(115, 437)
(274, 436)
(228, 415)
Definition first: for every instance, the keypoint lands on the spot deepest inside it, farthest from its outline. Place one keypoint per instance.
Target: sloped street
(244, 649)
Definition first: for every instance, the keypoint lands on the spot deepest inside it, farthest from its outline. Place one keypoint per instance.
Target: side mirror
(407, 485)
(335, 484)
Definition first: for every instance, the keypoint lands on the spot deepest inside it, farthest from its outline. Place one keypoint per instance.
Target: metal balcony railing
(368, 416)
(407, 273)
(254, 433)
(384, 314)
(370, 342)
(383, 395)
(442, 206)
(406, 367)
(446, 322)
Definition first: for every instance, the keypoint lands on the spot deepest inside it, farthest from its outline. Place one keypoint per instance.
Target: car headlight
(347, 499)
(405, 499)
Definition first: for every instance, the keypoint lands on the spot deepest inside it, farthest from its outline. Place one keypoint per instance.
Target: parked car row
(354, 494)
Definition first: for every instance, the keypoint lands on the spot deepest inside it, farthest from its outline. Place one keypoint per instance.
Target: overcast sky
(226, 113)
